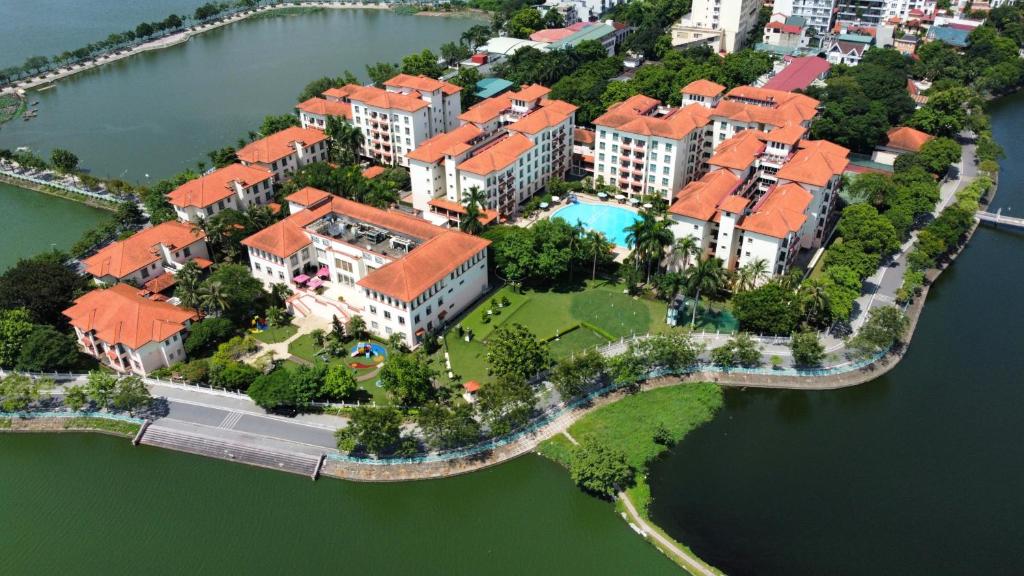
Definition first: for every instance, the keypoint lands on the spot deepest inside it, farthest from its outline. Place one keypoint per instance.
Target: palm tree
(594, 244)
(473, 200)
(648, 237)
(706, 275)
(279, 293)
(212, 298)
(187, 284)
(346, 140)
(685, 248)
(814, 299)
(751, 274)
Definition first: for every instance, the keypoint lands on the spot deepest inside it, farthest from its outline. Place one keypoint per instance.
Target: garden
(362, 357)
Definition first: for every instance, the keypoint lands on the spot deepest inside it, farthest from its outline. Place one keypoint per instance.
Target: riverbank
(59, 192)
(22, 86)
(56, 422)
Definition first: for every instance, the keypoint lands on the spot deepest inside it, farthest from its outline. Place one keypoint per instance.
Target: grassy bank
(80, 198)
(11, 107)
(293, 11)
(5, 423)
(631, 425)
(121, 427)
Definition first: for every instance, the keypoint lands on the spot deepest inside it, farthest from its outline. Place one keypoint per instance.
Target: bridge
(998, 220)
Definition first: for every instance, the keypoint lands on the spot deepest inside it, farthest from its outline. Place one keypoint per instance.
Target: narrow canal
(916, 473)
(154, 114)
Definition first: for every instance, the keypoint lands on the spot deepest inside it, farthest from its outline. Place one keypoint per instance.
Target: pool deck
(620, 251)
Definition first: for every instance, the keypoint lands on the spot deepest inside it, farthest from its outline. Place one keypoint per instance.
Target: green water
(34, 222)
(90, 504)
(917, 473)
(158, 113)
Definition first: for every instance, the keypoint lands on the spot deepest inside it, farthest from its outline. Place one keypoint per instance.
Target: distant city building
(817, 14)
(721, 24)
(786, 31)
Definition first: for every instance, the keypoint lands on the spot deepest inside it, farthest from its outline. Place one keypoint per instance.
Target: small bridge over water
(998, 220)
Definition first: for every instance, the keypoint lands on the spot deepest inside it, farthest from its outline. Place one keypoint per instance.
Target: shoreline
(51, 191)
(37, 82)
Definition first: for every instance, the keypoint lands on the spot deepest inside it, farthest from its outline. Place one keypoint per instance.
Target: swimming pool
(609, 220)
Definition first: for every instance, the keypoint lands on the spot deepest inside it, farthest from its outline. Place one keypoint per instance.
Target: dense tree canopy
(45, 285)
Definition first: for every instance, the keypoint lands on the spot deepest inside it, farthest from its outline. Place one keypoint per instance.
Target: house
(906, 44)
(127, 332)
(902, 140)
(284, 152)
(149, 254)
(313, 113)
(509, 147)
(848, 49)
(799, 73)
(786, 31)
(402, 274)
(236, 186)
(949, 34)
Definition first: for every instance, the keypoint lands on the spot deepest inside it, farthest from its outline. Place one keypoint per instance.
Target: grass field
(115, 426)
(276, 334)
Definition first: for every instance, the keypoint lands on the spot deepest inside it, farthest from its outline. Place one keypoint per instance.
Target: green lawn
(603, 308)
(276, 334)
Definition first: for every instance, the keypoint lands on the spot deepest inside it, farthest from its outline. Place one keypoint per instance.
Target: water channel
(916, 473)
(154, 114)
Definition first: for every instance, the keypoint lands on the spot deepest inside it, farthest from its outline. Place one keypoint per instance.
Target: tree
(75, 398)
(670, 353)
(356, 327)
(376, 430)
(446, 428)
(751, 274)
(130, 394)
(572, 376)
(553, 19)
(769, 309)
(884, 327)
(870, 187)
(506, 404)
(863, 224)
(45, 285)
(473, 199)
(685, 248)
(454, 53)
(15, 327)
(424, 63)
(524, 22)
(648, 237)
(144, 30)
(232, 289)
(938, 154)
(273, 124)
(629, 367)
(513, 352)
(599, 469)
(317, 87)
(706, 276)
(100, 386)
(346, 140)
(273, 391)
(18, 392)
(339, 383)
(807, 349)
(408, 379)
(204, 336)
(740, 350)
(46, 349)
(187, 283)
(841, 286)
(63, 160)
(476, 35)
(381, 72)
(467, 79)
(854, 256)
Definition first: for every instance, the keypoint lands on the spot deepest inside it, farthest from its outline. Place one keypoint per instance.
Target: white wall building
(149, 254)
(236, 186)
(729, 22)
(284, 152)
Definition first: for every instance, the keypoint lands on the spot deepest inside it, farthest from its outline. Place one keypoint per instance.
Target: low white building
(283, 153)
(236, 186)
(149, 254)
(130, 333)
(402, 274)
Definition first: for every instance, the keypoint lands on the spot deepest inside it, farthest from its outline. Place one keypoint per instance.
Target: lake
(916, 473)
(158, 113)
(34, 222)
(92, 504)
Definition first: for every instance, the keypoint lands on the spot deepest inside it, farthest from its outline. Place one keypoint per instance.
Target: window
(145, 272)
(187, 252)
(373, 309)
(387, 315)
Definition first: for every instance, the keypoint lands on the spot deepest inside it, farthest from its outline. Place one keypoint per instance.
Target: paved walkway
(280, 349)
(693, 564)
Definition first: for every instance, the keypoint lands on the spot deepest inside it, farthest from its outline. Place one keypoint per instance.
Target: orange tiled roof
(487, 110)
(907, 138)
(486, 216)
(378, 98)
(733, 203)
(120, 316)
(408, 277)
(216, 186)
(740, 151)
(451, 143)
(123, 257)
(341, 92)
(280, 145)
(373, 172)
(160, 283)
(530, 92)
(322, 107)
(497, 157)
(815, 163)
(282, 238)
(631, 116)
(703, 87)
(776, 107)
(699, 199)
(423, 83)
(788, 135)
(307, 196)
(584, 136)
(779, 212)
(550, 113)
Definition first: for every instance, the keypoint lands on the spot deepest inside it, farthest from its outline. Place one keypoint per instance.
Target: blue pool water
(604, 218)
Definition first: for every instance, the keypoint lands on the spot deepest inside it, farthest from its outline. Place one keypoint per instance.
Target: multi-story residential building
(149, 254)
(313, 113)
(767, 196)
(235, 186)
(722, 24)
(284, 152)
(509, 147)
(818, 14)
(130, 333)
(750, 108)
(444, 99)
(402, 274)
(647, 149)
(786, 31)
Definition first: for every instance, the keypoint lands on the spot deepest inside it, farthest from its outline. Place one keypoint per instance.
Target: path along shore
(173, 40)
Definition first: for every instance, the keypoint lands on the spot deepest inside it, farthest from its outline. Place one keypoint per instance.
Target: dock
(997, 220)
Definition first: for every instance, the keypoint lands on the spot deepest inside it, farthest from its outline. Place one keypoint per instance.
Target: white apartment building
(130, 333)
(402, 274)
(284, 152)
(818, 14)
(509, 147)
(646, 149)
(722, 24)
(235, 186)
(149, 254)
(750, 108)
(313, 113)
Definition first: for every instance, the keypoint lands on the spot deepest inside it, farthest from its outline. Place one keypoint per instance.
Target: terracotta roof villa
(148, 253)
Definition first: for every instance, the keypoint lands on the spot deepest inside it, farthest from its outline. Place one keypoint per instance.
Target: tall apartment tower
(818, 13)
(722, 24)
